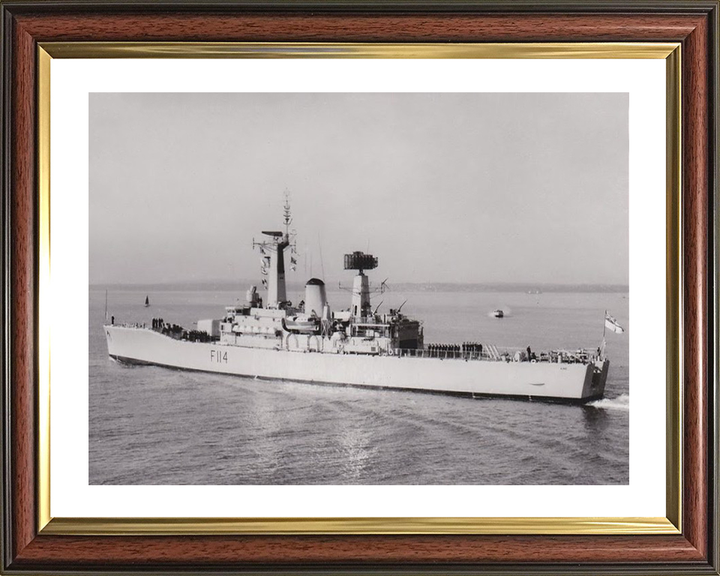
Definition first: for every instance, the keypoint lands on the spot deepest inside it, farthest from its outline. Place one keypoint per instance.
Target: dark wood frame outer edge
(25, 23)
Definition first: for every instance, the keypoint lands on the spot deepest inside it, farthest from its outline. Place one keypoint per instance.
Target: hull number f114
(219, 356)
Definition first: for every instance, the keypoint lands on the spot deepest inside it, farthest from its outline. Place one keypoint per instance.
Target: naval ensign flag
(612, 324)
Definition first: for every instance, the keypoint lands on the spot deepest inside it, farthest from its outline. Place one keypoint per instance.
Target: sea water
(152, 425)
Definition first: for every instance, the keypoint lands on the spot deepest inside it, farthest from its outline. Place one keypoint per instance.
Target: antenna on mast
(322, 263)
(287, 215)
(360, 261)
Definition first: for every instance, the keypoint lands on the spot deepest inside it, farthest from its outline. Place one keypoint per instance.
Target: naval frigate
(356, 346)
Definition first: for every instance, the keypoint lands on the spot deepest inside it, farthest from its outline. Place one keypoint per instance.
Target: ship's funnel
(315, 297)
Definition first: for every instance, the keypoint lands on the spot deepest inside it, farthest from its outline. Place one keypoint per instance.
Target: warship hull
(559, 382)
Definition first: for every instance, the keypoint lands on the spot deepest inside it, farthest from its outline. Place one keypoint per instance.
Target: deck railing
(495, 354)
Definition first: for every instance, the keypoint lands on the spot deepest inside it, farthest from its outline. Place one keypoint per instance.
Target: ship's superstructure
(312, 326)
(311, 342)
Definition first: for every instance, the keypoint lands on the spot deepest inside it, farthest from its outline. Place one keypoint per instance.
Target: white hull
(542, 380)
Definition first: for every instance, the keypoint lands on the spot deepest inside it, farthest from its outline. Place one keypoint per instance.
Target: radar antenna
(360, 261)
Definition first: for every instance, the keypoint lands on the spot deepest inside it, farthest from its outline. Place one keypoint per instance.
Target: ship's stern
(594, 387)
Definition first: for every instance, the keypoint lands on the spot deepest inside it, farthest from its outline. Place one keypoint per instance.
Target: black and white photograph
(359, 288)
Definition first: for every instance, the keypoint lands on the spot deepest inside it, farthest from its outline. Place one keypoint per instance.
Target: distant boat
(497, 314)
(147, 302)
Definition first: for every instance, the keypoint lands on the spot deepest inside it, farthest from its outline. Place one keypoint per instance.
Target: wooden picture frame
(32, 543)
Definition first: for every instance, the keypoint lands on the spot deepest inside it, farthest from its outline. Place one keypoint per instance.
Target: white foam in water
(622, 402)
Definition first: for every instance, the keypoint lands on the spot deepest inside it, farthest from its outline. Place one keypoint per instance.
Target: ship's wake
(622, 402)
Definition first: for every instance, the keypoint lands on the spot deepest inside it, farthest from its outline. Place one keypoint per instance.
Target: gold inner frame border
(671, 524)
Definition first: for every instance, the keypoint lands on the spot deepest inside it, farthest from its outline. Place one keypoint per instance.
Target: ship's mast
(273, 258)
(287, 215)
(360, 306)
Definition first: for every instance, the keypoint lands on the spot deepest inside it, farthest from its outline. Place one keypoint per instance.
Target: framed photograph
(363, 287)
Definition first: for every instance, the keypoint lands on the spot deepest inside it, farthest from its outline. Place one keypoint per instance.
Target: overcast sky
(441, 187)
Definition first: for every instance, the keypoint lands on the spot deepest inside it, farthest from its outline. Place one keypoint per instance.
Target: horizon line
(241, 282)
